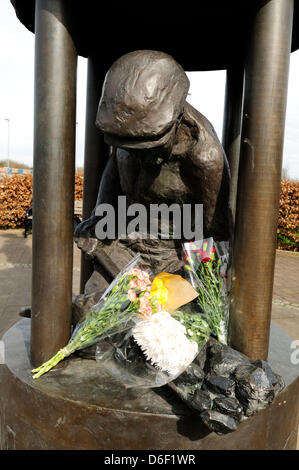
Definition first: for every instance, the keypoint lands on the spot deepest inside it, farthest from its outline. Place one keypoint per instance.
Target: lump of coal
(229, 406)
(277, 380)
(202, 401)
(213, 347)
(186, 384)
(219, 385)
(218, 422)
(224, 360)
(224, 386)
(193, 375)
(201, 357)
(255, 388)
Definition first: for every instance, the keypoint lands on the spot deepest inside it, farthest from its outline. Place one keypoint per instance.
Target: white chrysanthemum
(164, 342)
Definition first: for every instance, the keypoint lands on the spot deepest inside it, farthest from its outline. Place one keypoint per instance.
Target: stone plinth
(78, 406)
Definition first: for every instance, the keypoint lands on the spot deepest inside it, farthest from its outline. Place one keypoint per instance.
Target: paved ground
(15, 275)
(285, 307)
(15, 282)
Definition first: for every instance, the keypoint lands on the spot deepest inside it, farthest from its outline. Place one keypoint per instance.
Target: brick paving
(15, 275)
(285, 306)
(286, 278)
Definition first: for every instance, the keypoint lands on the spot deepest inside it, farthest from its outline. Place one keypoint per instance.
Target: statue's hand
(86, 228)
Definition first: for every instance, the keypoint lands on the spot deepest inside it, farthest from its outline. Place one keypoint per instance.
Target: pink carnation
(144, 302)
(133, 283)
(146, 312)
(132, 295)
(141, 275)
(145, 307)
(141, 285)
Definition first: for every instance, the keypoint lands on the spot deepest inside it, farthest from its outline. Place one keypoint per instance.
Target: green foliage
(288, 220)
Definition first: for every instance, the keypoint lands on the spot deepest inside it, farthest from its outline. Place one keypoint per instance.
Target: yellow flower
(172, 291)
(159, 291)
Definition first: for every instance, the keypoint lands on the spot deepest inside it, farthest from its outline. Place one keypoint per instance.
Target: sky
(17, 91)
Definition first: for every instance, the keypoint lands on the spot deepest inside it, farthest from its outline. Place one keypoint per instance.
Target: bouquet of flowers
(135, 307)
(206, 262)
(128, 296)
(157, 349)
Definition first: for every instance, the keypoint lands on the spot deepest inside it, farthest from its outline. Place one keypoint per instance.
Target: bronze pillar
(95, 151)
(232, 125)
(54, 169)
(266, 79)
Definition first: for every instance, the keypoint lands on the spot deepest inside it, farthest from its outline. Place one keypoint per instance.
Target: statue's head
(142, 101)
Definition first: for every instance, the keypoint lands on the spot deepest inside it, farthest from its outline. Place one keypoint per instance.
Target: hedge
(288, 220)
(16, 193)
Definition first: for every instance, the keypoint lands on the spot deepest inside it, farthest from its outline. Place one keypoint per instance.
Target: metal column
(95, 152)
(266, 80)
(232, 125)
(54, 168)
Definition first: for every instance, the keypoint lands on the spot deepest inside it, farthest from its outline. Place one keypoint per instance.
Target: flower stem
(61, 354)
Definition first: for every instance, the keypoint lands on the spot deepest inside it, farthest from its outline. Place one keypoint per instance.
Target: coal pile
(224, 387)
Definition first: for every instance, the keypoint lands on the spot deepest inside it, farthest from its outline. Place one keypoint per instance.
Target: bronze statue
(162, 150)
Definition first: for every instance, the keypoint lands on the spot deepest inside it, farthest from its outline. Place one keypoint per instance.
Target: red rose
(206, 259)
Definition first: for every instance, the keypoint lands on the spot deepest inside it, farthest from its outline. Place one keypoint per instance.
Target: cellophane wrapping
(206, 266)
(153, 346)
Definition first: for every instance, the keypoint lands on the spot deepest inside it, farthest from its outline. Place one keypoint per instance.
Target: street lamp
(8, 122)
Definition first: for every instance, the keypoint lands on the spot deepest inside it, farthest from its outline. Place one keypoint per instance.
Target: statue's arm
(211, 184)
(109, 188)
(108, 192)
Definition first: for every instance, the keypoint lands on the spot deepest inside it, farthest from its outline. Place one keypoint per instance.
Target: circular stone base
(79, 406)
